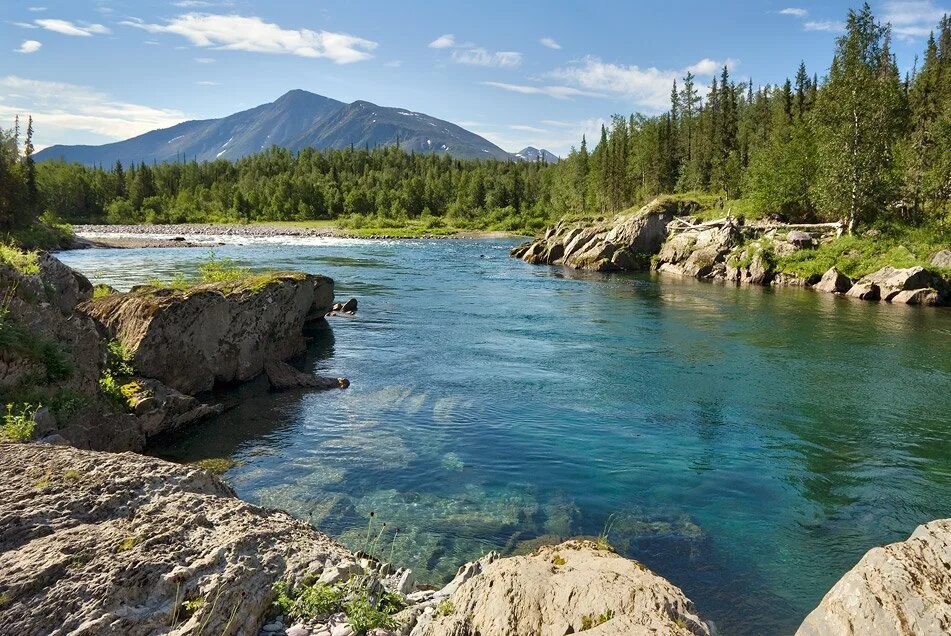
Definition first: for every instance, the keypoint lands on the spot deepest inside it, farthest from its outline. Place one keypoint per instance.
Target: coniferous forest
(857, 142)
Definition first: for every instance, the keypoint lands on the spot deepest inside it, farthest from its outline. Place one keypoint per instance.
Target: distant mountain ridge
(298, 119)
(530, 153)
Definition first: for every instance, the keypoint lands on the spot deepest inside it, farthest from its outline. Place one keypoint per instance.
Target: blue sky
(519, 73)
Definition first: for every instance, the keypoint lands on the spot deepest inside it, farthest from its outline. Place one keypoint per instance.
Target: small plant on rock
(221, 270)
(445, 607)
(593, 620)
(18, 422)
(363, 616)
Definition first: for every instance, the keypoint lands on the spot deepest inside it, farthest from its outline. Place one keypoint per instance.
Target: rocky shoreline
(101, 542)
(663, 237)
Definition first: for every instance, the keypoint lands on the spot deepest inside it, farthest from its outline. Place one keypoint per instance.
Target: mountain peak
(531, 153)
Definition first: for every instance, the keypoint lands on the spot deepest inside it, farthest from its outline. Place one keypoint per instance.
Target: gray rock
(801, 239)
(834, 282)
(890, 281)
(341, 629)
(901, 588)
(298, 630)
(341, 573)
(406, 582)
(350, 305)
(941, 259)
(864, 291)
(927, 297)
(283, 377)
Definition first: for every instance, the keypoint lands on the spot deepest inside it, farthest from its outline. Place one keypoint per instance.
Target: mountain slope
(531, 153)
(296, 120)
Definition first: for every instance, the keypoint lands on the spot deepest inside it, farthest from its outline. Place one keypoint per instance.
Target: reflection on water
(748, 444)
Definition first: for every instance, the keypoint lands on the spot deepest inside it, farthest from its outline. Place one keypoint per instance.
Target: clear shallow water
(750, 444)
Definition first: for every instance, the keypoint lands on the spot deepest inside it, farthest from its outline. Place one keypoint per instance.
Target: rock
(341, 629)
(350, 305)
(890, 281)
(928, 297)
(901, 588)
(44, 422)
(834, 282)
(800, 239)
(941, 259)
(406, 582)
(558, 589)
(864, 291)
(698, 253)
(341, 573)
(621, 243)
(298, 630)
(103, 543)
(161, 409)
(465, 573)
(283, 376)
(63, 286)
(224, 332)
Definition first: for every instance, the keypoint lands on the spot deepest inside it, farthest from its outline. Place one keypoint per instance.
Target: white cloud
(66, 27)
(794, 12)
(550, 43)
(25, 25)
(29, 46)
(647, 88)
(64, 111)
(240, 33)
(824, 25)
(393, 64)
(558, 92)
(208, 83)
(524, 128)
(443, 42)
(37, 9)
(492, 59)
(516, 137)
(913, 18)
(205, 60)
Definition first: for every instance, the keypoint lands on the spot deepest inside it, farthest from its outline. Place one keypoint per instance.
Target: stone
(406, 582)
(890, 281)
(834, 282)
(901, 588)
(864, 291)
(103, 543)
(341, 573)
(283, 377)
(219, 333)
(800, 239)
(350, 305)
(941, 259)
(160, 409)
(341, 629)
(927, 297)
(272, 627)
(298, 630)
(556, 589)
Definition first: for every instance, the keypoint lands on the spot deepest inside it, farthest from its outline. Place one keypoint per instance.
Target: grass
(129, 543)
(445, 607)
(115, 378)
(861, 254)
(602, 543)
(101, 291)
(317, 600)
(593, 620)
(18, 422)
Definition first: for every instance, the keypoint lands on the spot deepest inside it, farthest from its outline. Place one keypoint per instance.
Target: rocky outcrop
(557, 590)
(623, 243)
(218, 333)
(891, 281)
(941, 258)
(834, 282)
(899, 589)
(101, 543)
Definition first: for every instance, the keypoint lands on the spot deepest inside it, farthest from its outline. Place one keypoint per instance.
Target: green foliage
(445, 607)
(17, 339)
(221, 270)
(66, 403)
(309, 601)
(129, 543)
(113, 379)
(593, 620)
(18, 422)
(24, 262)
(101, 291)
(364, 612)
(363, 616)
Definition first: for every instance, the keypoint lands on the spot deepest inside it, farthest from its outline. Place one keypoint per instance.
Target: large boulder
(618, 244)
(891, 281)
(899, 589)
(834, 282)
(557, 590)
(100, 543)
(941, 258)
(701, 252)
(225, 332)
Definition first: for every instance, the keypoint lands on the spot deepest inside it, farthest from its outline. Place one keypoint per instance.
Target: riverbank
(211, 234)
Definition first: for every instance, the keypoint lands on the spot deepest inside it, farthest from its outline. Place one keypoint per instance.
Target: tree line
(862, 144)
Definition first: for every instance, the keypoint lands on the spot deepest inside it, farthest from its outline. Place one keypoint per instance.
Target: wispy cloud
(525, 128)
(393, 64)
(829, 26)
(240, 33)
(24, 25)
(555, 136)
(550, 43)
(558, 92)
(647, 88)
(205, 60)
(493, 59)
(795, 12)
(915, 18)
(37, 9)
(208, 83)
(443, 42)
(65, 27)
(60, 110)
(29, 46)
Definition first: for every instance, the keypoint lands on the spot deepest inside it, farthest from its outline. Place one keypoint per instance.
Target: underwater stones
(283, 377)
(901, 588)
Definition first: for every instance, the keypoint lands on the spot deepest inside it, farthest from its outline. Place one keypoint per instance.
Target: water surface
(748, 444)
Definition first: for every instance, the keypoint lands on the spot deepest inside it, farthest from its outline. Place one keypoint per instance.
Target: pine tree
(29, 170)
(581, 175)
(802, 89)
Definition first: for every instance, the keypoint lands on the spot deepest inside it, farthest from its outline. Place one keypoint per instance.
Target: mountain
(297, 120)
(530, 153)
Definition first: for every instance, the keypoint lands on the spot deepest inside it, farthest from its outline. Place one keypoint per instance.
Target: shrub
(221, 270)
(24, 262)
(18, 422)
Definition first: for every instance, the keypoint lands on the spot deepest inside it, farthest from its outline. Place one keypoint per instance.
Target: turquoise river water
(747, 444)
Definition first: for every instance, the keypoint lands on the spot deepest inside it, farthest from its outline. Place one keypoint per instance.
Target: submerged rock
(563, 589)
(223, 332)
(104, 543)
(901, 588)
(283, 377)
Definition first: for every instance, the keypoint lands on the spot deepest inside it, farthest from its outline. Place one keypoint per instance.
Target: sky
(533, 72)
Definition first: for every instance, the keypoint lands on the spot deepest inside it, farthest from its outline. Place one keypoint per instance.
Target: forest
(861, 143)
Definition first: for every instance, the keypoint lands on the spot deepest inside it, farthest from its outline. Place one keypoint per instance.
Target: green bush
(18, 422)
(23, 261)
(221, 270)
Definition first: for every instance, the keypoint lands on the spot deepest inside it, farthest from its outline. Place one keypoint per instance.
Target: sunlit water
(748, 444)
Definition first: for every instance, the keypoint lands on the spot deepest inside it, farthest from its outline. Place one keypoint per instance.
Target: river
(748, 444)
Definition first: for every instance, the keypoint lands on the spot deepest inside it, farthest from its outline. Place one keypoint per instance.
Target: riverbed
(748, 444)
